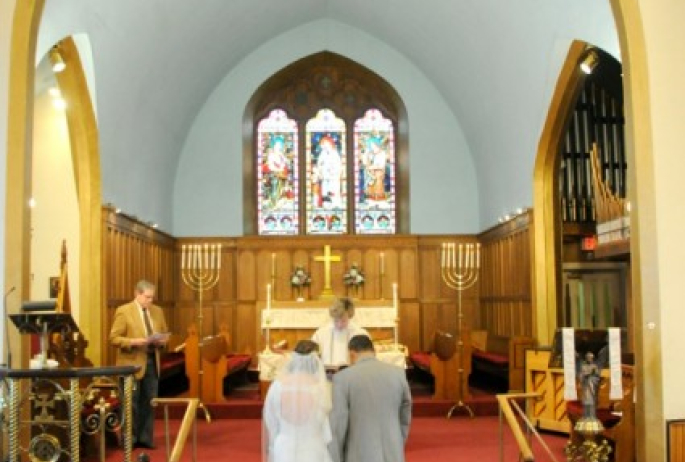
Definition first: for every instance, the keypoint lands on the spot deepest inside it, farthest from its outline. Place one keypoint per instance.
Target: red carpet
(431, 439)
(235, 431)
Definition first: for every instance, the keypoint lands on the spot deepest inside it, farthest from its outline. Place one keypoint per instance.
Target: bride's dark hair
(305, 347)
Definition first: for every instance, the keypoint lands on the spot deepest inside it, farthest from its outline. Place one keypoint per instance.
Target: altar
(284, 323)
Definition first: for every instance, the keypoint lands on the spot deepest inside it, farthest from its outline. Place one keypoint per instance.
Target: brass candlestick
(460, 272)
(592, 447)
(200, 270)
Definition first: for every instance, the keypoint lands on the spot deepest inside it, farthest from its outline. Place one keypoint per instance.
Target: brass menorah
(460, 266)
(200, 270)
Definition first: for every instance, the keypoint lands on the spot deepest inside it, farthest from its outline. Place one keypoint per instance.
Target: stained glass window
(277, 175)
(374, 175)
(326, 173)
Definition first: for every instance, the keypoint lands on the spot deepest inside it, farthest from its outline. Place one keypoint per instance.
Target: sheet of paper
(159, 337)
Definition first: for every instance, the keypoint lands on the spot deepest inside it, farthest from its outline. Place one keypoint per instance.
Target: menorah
(460, 272)
(200, 270)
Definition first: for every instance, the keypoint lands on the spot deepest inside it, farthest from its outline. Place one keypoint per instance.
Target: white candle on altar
(453, 252)
(197, 256)
(268, 297)
(477, 255)
(461, 248)
(212, 256)
(206, 257)
(183, 256)
(394, 299)
(396, 306)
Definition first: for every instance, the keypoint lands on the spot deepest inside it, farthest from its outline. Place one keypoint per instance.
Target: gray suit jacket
(371, 412)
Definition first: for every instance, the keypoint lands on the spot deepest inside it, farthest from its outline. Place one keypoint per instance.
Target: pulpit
(451, 366)
(55, 409)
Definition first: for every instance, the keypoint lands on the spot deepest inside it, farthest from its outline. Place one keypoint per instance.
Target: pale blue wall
(208, 189)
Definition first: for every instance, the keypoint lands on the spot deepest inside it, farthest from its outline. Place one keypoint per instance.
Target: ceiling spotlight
(58, 64)
(589, 62)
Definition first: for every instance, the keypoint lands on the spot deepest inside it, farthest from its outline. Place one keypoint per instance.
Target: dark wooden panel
(506, 279)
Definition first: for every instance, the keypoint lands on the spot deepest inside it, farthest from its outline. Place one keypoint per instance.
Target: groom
(371, 408)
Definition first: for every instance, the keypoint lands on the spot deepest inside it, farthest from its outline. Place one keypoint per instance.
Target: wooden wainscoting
(506, 279)
(131, 251)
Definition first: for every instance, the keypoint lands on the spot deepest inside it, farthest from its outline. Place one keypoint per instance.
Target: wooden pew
(501, 356)
(218, 364)
(450, 383)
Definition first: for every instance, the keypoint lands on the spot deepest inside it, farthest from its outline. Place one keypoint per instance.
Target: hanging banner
(569, 353)
(616, 389)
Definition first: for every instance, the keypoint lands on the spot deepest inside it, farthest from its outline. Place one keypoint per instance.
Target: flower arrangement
(354, 277)
(300, 278)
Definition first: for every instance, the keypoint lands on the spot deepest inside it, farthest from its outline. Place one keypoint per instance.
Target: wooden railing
(187, 424)
(507, 405)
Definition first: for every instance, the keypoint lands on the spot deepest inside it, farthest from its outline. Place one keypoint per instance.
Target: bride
(296, 410)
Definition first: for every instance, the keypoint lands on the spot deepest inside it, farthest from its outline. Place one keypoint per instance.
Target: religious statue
(588, 373)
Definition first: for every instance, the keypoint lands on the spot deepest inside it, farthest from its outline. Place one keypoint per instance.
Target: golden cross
(327, 258)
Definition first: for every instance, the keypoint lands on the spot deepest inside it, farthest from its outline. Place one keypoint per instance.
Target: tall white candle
(453, 251)
(396, 306)
(206, 257)
(198, 256)
(395, 301)
(183, 256)
(268, 297)
(212, 255)
(461, 248)
(477, 255)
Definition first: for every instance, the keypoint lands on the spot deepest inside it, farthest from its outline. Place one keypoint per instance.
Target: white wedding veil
(297, 404)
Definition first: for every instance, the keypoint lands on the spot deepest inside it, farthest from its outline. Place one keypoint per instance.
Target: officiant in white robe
(334, 336)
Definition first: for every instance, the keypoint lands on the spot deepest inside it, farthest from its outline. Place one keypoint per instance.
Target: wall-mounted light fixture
(589, 61)
(58, 64)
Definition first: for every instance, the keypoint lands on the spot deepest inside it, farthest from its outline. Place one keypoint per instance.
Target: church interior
(493, 185)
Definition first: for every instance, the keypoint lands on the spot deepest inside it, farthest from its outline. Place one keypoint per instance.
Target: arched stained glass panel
(374, 171)
(277, 175)
(326, 173)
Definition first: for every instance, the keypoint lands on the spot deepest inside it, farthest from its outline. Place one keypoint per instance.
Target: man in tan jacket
(136, 335)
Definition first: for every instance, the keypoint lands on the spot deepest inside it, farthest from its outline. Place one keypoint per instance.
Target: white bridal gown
(296, 420)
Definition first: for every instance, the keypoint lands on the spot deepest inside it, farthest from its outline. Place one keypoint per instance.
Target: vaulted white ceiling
(155, 63)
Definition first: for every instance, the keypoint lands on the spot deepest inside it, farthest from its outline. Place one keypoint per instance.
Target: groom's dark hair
(360, 343)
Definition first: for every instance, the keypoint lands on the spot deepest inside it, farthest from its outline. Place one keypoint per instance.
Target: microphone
(7, 330)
